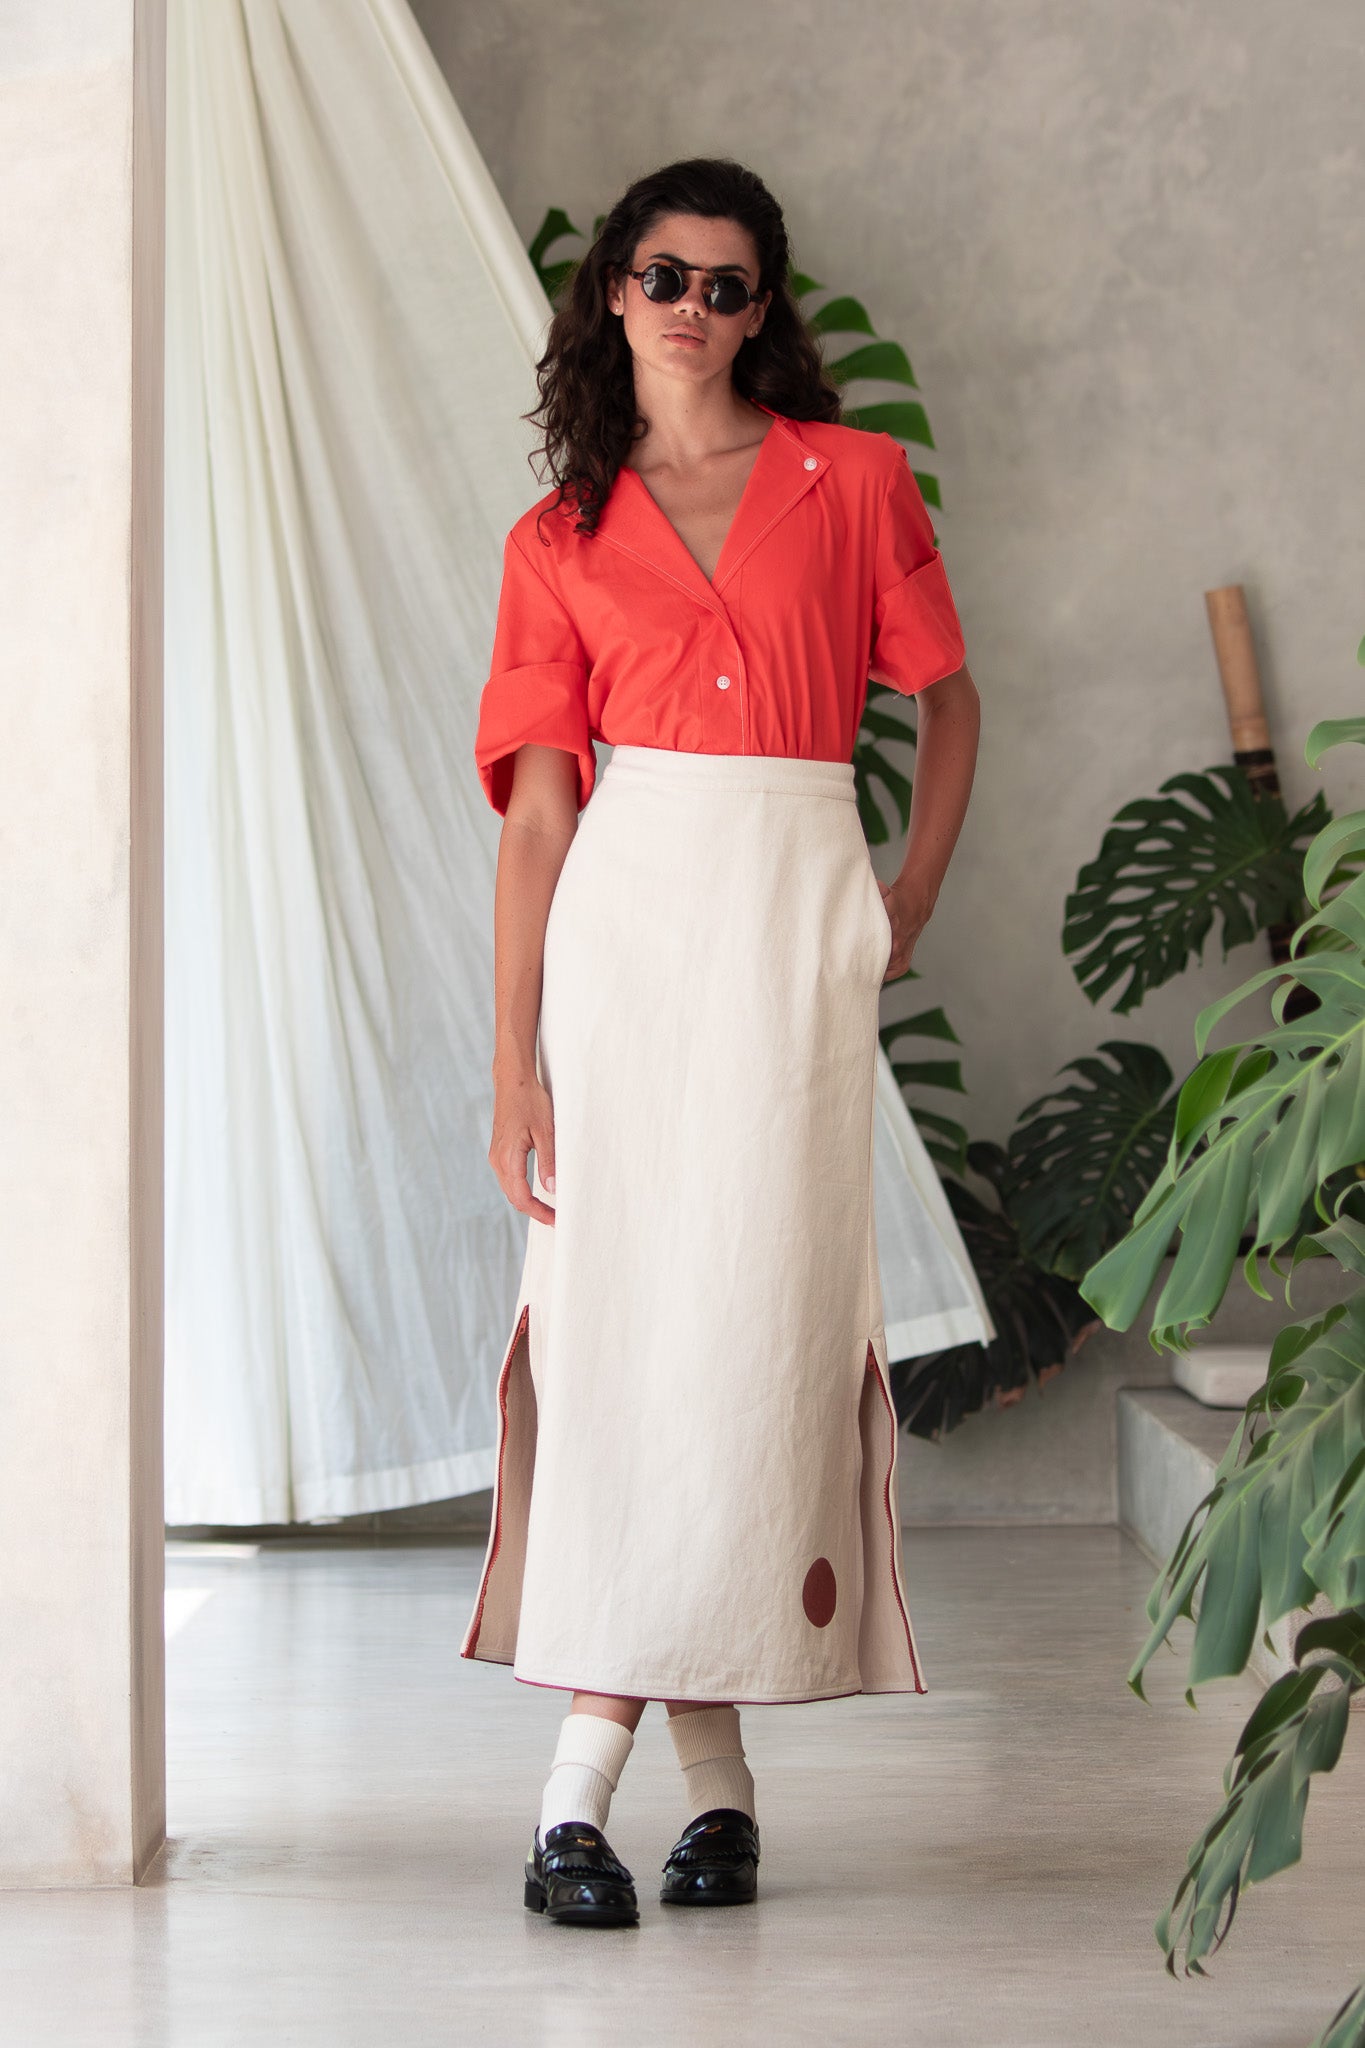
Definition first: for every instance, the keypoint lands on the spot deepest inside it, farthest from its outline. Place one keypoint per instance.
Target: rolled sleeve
(537, 688)
(917, 636)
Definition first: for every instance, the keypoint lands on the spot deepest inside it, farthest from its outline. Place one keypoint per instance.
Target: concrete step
(1168, 1448)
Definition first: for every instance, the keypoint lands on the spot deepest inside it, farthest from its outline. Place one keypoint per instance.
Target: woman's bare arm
(541, 819)
(945, 763)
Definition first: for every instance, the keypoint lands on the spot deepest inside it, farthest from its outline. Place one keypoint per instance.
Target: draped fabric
(351, 327)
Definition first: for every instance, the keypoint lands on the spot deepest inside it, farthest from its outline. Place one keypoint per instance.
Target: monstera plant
(1209, 849)
(1266, 1133)
(1207, 846)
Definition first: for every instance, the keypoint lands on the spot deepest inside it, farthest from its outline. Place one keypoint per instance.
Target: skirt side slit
(492, 1634)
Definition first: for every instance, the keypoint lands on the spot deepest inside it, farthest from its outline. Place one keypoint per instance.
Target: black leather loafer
(573, 1876)
(714, 1863)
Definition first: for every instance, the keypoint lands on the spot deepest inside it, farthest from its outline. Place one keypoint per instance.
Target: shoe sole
(702, 1898)
(605, 1914)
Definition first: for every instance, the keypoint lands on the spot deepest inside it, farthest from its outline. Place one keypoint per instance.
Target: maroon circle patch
(820, 1593)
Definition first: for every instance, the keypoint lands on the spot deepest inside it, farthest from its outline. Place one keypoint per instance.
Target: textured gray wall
(1123, 246)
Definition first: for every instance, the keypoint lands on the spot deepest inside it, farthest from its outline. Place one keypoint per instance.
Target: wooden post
(1240, 675)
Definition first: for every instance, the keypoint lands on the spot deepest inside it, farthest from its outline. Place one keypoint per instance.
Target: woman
(696, 1458)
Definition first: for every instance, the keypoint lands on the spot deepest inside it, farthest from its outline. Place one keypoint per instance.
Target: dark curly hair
(587, 412)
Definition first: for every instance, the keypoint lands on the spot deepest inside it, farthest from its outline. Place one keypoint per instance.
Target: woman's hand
(523, 1122)
(909, 910)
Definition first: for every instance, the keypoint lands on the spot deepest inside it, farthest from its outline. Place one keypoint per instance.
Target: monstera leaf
(1040, 1319)
(552, 229)
(1246, 1542)
(1205, 847)
(944, 1140)
(880, 722)
(1261, 1128)
(1082, 1157)
(1263, 1132)
(1297, 1729)
(874, 361)
(1346, 2028)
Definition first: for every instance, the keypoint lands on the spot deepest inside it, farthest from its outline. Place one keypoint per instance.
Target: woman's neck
(687, 423)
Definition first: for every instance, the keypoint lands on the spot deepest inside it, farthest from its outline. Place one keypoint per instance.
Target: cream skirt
(695, 1492)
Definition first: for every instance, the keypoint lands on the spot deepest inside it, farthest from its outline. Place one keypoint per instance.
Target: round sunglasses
(664, 282)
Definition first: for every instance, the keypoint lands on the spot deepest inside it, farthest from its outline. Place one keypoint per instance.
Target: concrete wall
(81, 157)
(1125, 248)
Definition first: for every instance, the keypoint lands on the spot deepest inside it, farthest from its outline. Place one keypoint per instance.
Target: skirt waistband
(786, 774)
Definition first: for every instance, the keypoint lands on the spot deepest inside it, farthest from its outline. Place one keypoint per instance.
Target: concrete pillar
(82, 1779)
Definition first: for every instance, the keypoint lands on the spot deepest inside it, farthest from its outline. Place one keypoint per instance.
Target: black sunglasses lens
(729, 295)
(662, 283)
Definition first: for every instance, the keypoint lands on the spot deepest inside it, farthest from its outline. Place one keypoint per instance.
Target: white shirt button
(722, 682)
(811, 462)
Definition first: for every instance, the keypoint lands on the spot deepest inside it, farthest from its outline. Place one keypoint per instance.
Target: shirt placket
(725, 687)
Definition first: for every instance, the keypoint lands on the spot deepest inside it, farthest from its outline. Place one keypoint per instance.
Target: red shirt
(828, 575)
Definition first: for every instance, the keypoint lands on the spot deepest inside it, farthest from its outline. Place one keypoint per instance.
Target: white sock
(589, 1759)
(712, 1759)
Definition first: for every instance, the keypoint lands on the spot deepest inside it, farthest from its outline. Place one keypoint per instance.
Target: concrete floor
(975, 1868)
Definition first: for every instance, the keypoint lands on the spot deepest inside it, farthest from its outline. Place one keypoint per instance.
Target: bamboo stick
(1240, 674)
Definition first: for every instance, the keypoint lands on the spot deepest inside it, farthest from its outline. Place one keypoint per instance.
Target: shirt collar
(785, 468)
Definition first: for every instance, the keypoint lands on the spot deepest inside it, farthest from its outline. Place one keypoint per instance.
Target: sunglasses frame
(682, 270)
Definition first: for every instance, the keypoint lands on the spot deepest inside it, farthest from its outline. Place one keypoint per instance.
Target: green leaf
(1295, 1733)
(1343, 1241)
(1259, 1131)
(906, 419)
(1083, 1156)
(1335, 1529)
(1346, 2028)
(886, 361)
(884, 715)
(1341, 842)
(875, 828)
(1215, 1217)
(1119, 1283)
(945, 1140)
(1206, 847)
(555, 224)
(872, 766)
(552, 229)
(930, 1074)
(1039, 1317)
(928, 1024)
(1202, 1093)
(1334, 732)
(841, 316)
(1271, 1527)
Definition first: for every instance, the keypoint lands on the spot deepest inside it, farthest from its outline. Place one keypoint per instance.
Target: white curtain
(351, 327)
